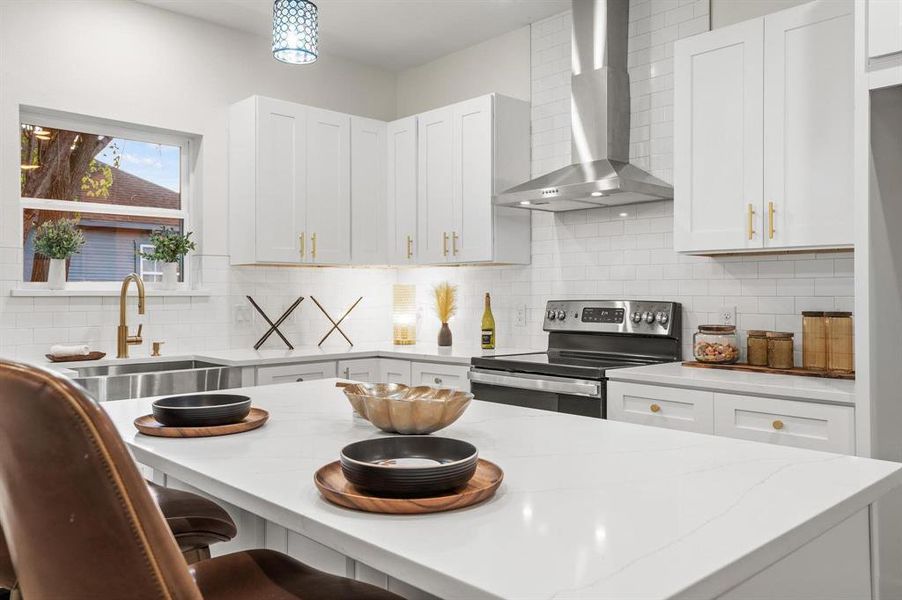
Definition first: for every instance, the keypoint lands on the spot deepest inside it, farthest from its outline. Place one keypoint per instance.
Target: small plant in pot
(58, 240)
(169, 246)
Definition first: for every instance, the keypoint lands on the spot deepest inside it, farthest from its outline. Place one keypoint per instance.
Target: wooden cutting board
(336, 489)
(755, 369)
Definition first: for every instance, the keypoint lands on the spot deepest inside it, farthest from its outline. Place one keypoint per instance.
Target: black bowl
(408, 465)
(201, 410)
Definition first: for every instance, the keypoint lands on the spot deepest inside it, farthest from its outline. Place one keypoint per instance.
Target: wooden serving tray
(150, 426)
(336, 489)
(76, 358)
(755, 369)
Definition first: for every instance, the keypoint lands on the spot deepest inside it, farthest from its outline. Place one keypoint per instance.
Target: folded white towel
(73, 350)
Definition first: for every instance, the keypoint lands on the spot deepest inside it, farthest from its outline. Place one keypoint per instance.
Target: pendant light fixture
(295, 31)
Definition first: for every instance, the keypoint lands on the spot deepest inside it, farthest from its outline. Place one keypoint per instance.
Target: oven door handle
(556, 385)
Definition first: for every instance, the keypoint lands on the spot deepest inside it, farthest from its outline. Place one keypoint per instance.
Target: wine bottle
(488, 325)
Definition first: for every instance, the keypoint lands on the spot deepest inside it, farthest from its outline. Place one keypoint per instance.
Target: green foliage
(168, 245)
(58, 239)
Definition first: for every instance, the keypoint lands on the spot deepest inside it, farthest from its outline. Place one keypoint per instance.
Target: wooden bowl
(396, 408)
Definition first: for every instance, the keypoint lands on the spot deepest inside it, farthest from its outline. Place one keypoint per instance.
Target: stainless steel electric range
(586, 339)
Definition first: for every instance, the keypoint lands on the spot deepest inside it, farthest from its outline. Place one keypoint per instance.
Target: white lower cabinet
(393, 370)
(438, 375)
(674, 408)
(360, 369)
(295, 372)
(809, 425)
(802, 424)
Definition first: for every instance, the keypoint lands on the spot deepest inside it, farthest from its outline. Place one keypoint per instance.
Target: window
(119, 183)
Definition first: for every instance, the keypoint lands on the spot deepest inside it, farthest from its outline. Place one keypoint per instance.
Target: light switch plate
(242, 314)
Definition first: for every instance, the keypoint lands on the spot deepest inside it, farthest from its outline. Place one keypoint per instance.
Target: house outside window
(119, 183)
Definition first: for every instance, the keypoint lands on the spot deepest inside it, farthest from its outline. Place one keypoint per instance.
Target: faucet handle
(136, 339)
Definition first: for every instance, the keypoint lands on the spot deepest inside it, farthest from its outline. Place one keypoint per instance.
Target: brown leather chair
(81, 523)
(195, 522)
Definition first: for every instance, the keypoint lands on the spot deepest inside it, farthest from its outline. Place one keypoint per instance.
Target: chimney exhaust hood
(601, 174)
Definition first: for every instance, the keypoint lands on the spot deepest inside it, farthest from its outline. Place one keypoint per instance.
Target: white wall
(138, 64)
(499, 65)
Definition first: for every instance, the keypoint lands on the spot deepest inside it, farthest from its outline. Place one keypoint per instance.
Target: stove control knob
(637, 316)
(561, 315)
(649, 317)
(663, 318)
(551, 315)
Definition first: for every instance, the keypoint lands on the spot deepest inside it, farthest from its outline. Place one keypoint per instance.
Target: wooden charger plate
(150, 426)
(76, 358)
(335, 488)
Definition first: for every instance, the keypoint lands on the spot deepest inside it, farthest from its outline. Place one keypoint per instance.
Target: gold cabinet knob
(654, 408)
(778, 424)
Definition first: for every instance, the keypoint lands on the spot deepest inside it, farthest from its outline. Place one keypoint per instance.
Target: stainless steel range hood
(600, 123)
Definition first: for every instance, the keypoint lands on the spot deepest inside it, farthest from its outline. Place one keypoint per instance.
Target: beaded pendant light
(295, 31)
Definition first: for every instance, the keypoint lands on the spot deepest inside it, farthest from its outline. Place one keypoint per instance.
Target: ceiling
(391, 34)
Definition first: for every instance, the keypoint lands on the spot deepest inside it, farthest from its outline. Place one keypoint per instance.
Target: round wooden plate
(150, 426)
(335, 488)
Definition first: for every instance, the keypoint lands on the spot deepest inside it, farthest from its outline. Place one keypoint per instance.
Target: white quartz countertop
(588, 508)
(818, 389)
(457, 354)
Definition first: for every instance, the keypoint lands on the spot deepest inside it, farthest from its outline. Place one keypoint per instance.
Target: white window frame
(84, 124)
(142, 272)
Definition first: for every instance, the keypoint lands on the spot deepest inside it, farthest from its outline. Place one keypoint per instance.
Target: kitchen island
(588, 508)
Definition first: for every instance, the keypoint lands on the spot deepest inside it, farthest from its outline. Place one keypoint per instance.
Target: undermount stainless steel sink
(155, 378)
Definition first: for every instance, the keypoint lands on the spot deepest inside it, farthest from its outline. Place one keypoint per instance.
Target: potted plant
(445, 307)
(169, 246)
(58, 240)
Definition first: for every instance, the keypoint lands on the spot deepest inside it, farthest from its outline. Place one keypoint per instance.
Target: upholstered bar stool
(195, 522)
(81, 522)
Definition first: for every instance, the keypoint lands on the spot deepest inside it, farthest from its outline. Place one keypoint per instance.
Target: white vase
(56, 274)
(170, 276)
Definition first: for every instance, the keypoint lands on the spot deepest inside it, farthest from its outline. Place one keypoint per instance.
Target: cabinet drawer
(297, 372)
(674, 408)
(801, 424)
(435, 375)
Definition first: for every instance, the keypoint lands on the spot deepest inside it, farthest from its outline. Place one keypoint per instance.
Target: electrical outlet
(520, 316)
(242, 314)
(727, 315)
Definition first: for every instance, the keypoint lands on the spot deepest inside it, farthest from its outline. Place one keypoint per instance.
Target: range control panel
(644, 317)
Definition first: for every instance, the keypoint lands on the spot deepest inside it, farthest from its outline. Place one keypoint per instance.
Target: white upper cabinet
(312, 186)
(368, 171)
(808, 126)
(467, 153)
(718, 158)
(763, 135)
(884, 28)
(401, 195)
(328, 187)
(267, 180)
(435, 185)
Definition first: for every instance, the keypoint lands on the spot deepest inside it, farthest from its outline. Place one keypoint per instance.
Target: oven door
(559, 394)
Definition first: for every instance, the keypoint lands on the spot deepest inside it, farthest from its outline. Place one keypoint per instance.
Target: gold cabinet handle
(313, 244)
(454, 238)
(444, 243)
(778, 424)
(654, 408)
(303, 246)
(770, 220)
(751, 221)
(409, 247)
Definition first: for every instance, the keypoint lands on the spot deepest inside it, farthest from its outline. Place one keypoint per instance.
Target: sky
(157, 163)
